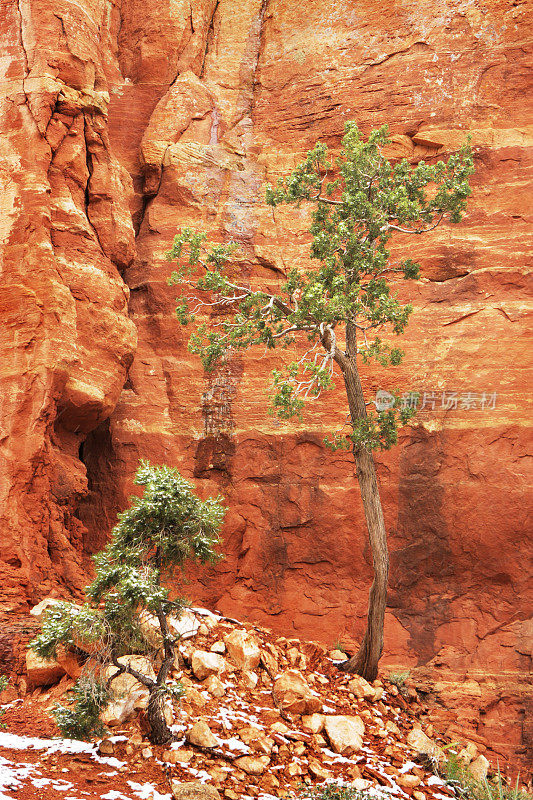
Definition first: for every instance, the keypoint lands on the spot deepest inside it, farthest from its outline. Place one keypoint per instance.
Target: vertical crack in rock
(26, 61)
(208, 38)
(89, 162)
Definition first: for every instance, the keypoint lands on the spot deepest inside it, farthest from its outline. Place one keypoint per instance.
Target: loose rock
(292, 693)
(243, 650)
(204, 664)
(344, 733)
(194, 790)
(201, 734)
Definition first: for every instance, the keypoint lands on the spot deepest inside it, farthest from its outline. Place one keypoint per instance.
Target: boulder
(68, 660)
(214, 686)
(361, 688)
(408, 781)
(185, 626)
(252, 765)
(468, 753)
(179, 756)
(42, 671)
(249, 679)
(344, 733)
(292, 693)
(318, 771)
(479, 768)
(201, 735)
(194, 697)
(204, 663)
(118, 711)
(314, 723)
(255, 738)
(269, 659)
(106, 747)
(150, 630)
(424, 746)
(243, 650)
(193, 790)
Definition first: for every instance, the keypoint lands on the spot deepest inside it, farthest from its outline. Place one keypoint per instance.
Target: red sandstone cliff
(123, 121)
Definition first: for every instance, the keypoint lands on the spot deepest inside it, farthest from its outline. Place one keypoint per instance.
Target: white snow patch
(235, 744)
(201, 774)
(12, 775)
(407, 767)
(434, 780)
(145, 791)
(11, 741)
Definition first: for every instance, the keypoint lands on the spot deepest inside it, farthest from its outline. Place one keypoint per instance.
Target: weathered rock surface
(118, 126)
(345, 733)
(243, 650)
(243, 744)
(292, 693)
(200, 734)
(205, 664)
(126, 684)
(424, 746)
(193, 790)
(42, 671)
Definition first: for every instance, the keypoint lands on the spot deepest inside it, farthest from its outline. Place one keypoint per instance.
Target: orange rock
(114, 135)
(292, 693)
(42, 671)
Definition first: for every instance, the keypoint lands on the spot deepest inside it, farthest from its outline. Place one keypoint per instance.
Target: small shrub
(338, 645)
(455, 773)
(333, 791)
(81, 720)
(4, 680)
(154, 538)
(399, 679)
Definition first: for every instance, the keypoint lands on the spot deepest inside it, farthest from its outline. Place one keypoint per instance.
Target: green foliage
(338, 645)
(159, 533)
(399, 678)
(176, 690)
(342, 308)
(68, 624)
(333, 791)
(455, 773)
(4, 681)
(81, 720)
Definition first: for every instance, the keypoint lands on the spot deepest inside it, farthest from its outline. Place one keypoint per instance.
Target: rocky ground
(261, 715)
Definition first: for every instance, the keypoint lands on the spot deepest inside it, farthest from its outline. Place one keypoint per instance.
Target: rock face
(122, 123)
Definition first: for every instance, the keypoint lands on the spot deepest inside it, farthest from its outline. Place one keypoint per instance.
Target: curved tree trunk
(365, 661)
(160, 733)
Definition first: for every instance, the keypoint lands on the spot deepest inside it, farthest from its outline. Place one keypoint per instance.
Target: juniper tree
(342, 314)
(160, 532)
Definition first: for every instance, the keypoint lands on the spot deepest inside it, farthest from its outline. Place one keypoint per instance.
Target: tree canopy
(360, 201)
(341, 312)
(166, 528)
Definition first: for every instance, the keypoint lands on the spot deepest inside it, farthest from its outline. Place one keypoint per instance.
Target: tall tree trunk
(365, 661)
